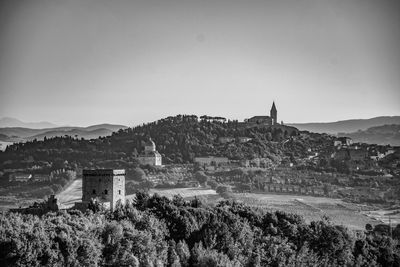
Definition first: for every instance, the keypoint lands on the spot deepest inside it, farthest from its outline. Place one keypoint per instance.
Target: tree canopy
(157, 231)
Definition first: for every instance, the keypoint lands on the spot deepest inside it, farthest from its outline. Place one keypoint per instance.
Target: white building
(243, 139)
(150, 156)
(224, 139)
(211, 161)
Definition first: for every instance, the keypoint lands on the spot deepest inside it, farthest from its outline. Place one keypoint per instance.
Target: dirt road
(71, 194)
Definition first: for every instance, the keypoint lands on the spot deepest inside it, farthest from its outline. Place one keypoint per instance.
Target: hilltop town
(256, 155)
(260, 178)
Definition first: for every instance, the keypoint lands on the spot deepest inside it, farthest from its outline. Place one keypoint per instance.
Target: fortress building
(266, 120)
(105, 185)
(150, 155)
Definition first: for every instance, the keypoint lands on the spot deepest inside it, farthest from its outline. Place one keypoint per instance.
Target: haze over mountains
(18, 131)
(13, 122)
(388, 134)
(383, 130)
(346, 126)
(379, 130)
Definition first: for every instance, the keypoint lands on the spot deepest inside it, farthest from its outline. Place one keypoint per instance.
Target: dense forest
(179, 139)
(156, 231)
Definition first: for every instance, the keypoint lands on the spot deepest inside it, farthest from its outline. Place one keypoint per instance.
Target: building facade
(211, 161)
(107, 186)
(41, 178)
(20, 177)
(260, 120)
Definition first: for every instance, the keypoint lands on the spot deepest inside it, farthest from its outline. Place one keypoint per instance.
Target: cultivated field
(386, 216)
(184, 192)
(311, 208)
(73, 193)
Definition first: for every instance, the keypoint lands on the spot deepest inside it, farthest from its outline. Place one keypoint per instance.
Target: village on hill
(258, 155)
(187, 166)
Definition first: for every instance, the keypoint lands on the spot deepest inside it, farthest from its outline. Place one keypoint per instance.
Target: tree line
(157, 231)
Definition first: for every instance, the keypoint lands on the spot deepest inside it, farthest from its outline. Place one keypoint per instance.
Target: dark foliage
(156, 231)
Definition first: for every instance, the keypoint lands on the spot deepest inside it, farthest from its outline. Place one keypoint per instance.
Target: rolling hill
(18, 134)
(80, 133)
(179, 140)
(346, 126)
(382, 135)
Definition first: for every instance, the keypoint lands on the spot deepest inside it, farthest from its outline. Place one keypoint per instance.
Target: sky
(83, 62)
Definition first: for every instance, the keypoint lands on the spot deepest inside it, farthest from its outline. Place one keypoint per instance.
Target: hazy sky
(82, 62)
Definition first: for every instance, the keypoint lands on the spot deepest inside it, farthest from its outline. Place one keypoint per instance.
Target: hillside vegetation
(179, 139)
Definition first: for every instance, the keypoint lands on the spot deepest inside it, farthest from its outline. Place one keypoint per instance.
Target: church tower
(274, 114)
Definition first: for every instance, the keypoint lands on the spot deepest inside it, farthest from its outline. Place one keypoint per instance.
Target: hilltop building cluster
(28, 177)
(322, 157)
(272, 119)
(345, 149)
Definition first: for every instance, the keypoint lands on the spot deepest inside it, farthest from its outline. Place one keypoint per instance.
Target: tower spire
(274, 114)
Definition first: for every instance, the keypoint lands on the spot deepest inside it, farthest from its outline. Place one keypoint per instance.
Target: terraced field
(311, 208)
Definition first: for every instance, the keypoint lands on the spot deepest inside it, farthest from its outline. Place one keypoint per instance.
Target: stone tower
(105, 185)
(274, 114)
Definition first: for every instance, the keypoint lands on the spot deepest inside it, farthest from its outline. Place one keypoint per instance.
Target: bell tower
(274, 114)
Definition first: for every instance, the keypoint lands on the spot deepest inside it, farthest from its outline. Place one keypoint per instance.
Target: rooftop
(103, 172)
(260, 117)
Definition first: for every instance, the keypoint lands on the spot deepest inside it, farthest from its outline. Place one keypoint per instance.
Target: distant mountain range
(20, 134)
(12, 122)
(379, 130)
(346, 126)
